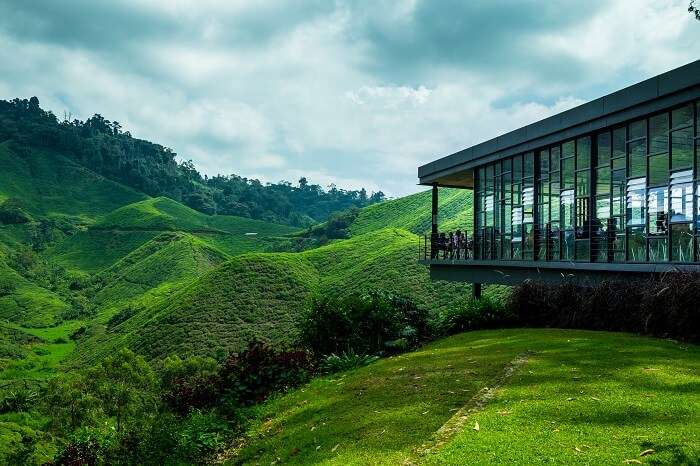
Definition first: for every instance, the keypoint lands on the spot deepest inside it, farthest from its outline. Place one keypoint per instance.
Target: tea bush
(345, 361)
(364, 323)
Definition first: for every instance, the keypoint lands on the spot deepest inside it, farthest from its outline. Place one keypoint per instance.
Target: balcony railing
(442, 247)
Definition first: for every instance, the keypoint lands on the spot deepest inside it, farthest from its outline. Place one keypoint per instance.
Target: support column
(434, 224)
(434, 229)
(476, 290)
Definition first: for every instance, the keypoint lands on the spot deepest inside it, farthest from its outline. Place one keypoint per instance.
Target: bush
(12, 212)
(474, 314)
(201, 435)
(369, 323)
(121, 316)
(663, 307)
(344, 362)
(251, 376)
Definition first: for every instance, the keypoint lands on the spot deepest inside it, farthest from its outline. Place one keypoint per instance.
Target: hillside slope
(413, 213)
(626, 395)
(263, 296)
(47, 184)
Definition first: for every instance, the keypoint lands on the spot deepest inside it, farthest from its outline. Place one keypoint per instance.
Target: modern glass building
(608, 188)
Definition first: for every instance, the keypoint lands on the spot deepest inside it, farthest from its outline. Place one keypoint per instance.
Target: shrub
(345, 361)
(474, 314)
(251, 376)
(665, 306)
(121, 316)
(201, 435)
(18, 400)
(12, 212)
(369, 323)
(84, 450)
(196, 392)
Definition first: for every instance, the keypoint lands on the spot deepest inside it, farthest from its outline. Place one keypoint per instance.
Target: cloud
(332, 90)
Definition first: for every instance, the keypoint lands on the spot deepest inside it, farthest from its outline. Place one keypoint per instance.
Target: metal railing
(438, 247)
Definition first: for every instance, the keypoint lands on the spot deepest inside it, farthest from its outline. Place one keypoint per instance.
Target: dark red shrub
(252, 375)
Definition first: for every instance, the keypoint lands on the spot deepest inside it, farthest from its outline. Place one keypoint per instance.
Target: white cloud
(239, 89)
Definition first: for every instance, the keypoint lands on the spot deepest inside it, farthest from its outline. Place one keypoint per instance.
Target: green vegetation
(413, 213)
(263, 296)
(581, 398)
(102, 146)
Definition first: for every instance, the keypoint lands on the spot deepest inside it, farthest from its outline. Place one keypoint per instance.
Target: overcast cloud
(357, 93)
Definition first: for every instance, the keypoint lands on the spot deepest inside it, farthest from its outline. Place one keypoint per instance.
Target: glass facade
(629, 193)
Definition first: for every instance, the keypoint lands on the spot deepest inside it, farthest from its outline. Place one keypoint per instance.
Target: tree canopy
(104, 147)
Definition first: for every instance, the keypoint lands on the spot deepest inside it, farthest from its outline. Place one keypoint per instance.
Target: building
(609, 188)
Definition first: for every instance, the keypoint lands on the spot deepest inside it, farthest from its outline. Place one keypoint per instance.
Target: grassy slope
(125, 229)
(609, 395)
(25, 303)
(48, 184)
(413, 213)
(264, 295)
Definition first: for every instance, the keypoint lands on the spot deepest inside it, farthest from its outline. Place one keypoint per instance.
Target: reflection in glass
(682, 117)
(658, 133)
(658, 211)
(604, 149)
(681, 208)
(635, 202)
(636, 244)
(682, 242)
(682, 148)
(658, 170)
(637, 158)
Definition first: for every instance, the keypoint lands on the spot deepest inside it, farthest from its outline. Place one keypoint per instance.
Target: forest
(105, 148)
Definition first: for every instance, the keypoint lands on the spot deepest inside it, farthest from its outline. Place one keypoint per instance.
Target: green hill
(121, 231)
(155, 268)
(49, 185)
(25, 303)
(263, 296)
(413, 213)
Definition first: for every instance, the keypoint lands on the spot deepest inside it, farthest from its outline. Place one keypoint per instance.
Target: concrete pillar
(476, 290)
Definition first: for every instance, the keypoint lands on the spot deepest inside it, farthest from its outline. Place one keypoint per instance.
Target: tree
(126, 385)
(69, 402)
(694, 9)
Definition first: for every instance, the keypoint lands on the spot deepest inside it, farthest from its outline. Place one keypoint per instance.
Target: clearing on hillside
(581, 397)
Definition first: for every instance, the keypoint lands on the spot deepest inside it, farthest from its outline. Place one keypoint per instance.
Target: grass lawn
(582, 398)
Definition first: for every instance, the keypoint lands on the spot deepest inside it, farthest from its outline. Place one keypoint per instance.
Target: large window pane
(568, 149)
(658, 133)
(554, 200)
(618, 192)
(658, 170)
(528, 202)
(638, 129)
(567, 173)
(567, 246)
(529, 246)
(682, 116)
(583, 250)
(582, 218)
(604, 149)
(582, 183)
(554, 159)
(636, 244)
(602, 181)
(635, 202)
(529, 164)
(658, 249)
(658, 211)
(682, 148)
(619, 142)
(567, 209)
(544, 161)
(517, 167)
(600, 229)
(637, 158)
(681, 205)
(682, 243)
(583, 153)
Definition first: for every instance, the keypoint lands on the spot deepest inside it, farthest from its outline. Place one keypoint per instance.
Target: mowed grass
(413, 213)
(582, 398)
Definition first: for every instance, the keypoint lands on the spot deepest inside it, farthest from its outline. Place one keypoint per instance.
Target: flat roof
(665, 90)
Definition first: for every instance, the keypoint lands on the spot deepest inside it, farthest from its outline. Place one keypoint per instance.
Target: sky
(356, 93)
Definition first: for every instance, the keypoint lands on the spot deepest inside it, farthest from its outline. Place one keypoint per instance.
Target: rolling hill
(263, 296)
(413, 213)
